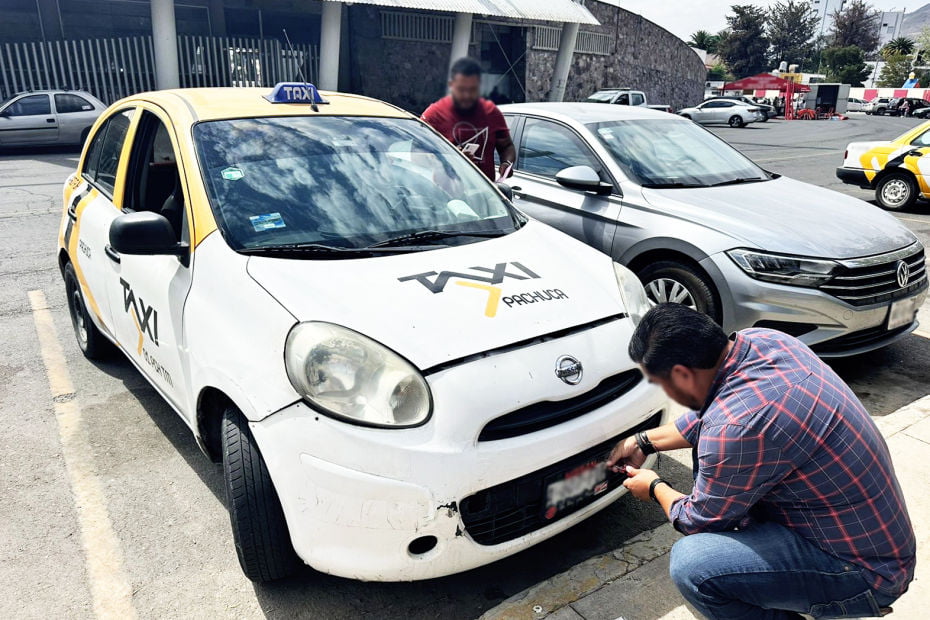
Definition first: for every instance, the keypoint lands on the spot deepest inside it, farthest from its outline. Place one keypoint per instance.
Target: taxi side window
(33, 105)
(547, 148)
(922, 140)
(153, 182)
(68, 104)
(103, 155)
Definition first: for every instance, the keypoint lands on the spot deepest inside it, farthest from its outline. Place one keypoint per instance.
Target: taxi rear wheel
(673, 282)
(93, 344)
(896, 191)
(736, 121)
(263, 543)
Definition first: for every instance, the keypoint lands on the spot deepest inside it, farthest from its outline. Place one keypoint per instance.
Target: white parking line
(109, 587)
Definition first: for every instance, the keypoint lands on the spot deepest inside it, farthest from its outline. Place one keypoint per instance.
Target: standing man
(796, 507)
(472, 123)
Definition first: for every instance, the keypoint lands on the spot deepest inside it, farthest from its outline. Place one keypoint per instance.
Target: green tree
(792, 25)
(900, 46)
(744, 46)
(719, 72)
(856, 24)
(704, 40)
(895, 71)
(845, 65)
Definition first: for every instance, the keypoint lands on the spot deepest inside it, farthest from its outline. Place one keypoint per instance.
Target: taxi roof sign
(295, 92)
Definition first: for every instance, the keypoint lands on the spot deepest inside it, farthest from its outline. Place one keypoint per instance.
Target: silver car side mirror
(583, 178)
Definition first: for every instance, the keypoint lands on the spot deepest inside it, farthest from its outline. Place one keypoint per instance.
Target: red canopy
(764, 81)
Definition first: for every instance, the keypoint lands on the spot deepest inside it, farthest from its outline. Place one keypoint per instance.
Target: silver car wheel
(666, 290)
(896, 192)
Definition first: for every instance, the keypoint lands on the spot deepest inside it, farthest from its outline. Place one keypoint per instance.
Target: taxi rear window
(339, 181)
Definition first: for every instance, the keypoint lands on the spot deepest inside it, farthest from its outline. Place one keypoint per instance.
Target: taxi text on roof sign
(295, 92)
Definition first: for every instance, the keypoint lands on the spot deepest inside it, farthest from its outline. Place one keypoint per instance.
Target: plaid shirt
(782, 438)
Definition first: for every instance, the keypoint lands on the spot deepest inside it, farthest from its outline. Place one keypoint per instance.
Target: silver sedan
(46, 117)
(724, 112)
(704, 226)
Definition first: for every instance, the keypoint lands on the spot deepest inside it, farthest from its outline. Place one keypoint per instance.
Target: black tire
(765, 118)
(896, 191)
(263, 543)
(687, 116)
(93, 344)
(735, 121)
(697, 284)
(880, 112)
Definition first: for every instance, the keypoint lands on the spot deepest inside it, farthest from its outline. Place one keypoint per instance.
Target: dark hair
(672, 334)
(465, 66)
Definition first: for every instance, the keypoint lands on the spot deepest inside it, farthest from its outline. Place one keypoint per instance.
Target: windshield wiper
(434, 235)
(314, 248)
(738, 181)
(673, 184)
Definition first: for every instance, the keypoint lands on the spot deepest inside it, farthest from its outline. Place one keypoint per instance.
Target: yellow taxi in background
(896, 170)
(402, 375)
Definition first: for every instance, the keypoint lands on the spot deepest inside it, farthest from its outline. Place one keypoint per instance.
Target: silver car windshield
(343, 183)
(674, 153)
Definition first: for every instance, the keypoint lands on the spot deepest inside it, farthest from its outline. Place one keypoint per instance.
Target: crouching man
(796, 507)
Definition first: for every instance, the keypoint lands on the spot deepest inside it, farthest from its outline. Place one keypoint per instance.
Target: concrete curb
(558, 592)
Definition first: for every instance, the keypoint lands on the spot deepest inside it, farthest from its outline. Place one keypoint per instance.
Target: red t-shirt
(475, 133)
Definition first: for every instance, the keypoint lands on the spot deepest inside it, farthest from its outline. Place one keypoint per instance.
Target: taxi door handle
(112, 254)
(50, 120)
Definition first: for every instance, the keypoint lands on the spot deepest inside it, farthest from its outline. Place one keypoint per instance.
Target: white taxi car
(402, 376)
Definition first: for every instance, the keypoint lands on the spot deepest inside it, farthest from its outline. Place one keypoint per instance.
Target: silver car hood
(787, 216)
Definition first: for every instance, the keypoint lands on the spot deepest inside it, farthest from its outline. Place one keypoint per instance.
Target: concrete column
(330, 35)
(165, 42)
(461, 36)
(563, 62)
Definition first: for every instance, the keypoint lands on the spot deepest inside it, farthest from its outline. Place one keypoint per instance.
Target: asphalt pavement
(158, 502)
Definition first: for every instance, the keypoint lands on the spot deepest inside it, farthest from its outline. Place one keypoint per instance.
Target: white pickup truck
(624, 96)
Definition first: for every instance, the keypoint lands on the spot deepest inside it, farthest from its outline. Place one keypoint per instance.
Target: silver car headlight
(790, 270)
(350, 376)
(632, 292)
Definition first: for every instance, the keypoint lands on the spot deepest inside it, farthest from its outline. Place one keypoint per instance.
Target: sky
(682, 17)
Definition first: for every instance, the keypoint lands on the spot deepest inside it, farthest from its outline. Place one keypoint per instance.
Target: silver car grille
(874, 279)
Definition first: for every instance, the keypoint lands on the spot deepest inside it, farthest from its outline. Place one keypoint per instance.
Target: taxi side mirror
(583, 178)
(145, 233)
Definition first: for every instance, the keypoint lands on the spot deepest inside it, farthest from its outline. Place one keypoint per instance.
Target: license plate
(902, 313)
(575, 486)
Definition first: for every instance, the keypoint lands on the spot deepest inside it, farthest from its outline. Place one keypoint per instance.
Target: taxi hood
(440, 305)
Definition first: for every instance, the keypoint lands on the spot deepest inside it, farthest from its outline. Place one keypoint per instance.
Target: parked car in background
(895, 169)
(704, 226)
(768, 110)
(724, 112)
(921, 113)
(896, 107)
(625, 96)
(877, 106)
(47, 117)
(855, 105)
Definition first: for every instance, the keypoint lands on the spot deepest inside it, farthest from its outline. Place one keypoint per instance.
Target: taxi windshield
(346, 183)
(674, 153)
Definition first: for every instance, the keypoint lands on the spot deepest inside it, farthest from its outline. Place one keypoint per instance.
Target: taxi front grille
(877, 281)
(515, 508)
(548, 413)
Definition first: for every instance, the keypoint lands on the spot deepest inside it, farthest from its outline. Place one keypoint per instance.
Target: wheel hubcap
(76, 307)
(666, 290)
(895, 192)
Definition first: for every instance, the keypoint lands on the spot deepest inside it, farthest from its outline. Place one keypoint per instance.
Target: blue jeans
(767, 572)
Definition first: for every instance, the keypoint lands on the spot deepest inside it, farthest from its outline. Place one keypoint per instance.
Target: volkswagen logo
(568, 369)
(903, 273)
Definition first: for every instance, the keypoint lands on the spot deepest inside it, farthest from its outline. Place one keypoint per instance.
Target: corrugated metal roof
(546, 10)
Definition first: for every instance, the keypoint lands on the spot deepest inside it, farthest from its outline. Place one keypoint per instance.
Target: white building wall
(889, 23)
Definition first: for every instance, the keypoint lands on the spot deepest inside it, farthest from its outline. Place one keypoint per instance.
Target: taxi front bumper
(403, 505)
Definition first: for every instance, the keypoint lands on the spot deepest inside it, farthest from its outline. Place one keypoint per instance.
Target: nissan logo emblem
(568, 369)
(903, 273)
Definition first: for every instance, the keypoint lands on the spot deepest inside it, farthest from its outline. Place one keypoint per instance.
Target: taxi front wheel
(896, 191)
(93, 344)
(260, 532)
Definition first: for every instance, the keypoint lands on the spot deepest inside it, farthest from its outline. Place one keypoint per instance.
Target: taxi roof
(205, 104)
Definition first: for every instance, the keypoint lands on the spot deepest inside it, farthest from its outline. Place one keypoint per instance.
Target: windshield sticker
(269, 221)
(345, 141)
(231, 174)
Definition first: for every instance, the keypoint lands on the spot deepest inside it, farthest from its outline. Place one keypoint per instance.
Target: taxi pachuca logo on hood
(488, 280)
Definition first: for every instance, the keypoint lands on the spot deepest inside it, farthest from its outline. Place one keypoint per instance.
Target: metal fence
(114, 68)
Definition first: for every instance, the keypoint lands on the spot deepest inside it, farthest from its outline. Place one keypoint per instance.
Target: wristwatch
(644, 444)
(652, 488)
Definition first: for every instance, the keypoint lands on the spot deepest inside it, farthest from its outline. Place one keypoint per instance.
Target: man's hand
(638, 482)
(626, 452)
(505, 170)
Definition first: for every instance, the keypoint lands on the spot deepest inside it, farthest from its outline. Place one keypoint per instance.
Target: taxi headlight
(790, 270)
(352, 377)
(632, 292)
